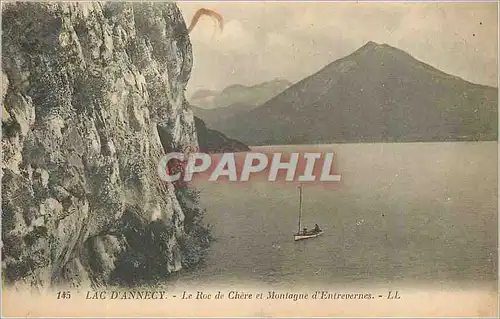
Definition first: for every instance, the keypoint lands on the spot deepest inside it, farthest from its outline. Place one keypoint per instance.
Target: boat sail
(304, 233)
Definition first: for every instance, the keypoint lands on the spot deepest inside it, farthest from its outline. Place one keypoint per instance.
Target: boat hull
(307, 236)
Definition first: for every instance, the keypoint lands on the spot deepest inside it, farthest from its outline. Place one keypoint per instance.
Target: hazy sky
(263, 41)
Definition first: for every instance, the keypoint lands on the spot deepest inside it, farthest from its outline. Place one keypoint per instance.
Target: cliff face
(93, 94)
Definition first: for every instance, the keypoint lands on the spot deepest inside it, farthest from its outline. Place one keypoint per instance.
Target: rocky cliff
(93, 95)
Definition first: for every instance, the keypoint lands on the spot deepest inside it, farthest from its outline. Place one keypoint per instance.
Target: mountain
(201, 94)
(214, 116)
(237, 94)
(211, 141)
(377, 94)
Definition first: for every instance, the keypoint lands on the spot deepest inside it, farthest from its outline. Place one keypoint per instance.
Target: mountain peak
(382, 51)
(371, 45)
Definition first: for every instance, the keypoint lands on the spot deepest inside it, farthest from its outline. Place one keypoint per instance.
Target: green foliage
(196, 242)
(147, 256)
(10, 128)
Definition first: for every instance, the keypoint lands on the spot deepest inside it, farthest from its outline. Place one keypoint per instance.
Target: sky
(264, 41)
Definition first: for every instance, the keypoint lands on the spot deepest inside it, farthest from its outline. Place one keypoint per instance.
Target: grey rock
(87, 86)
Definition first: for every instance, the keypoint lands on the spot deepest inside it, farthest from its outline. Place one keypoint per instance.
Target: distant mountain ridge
(376, 94)
(237, 94)
(201, 94)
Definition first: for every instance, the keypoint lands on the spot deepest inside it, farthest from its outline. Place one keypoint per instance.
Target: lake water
(413, 212)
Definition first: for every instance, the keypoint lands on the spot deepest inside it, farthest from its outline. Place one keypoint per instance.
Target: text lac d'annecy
(302, 167)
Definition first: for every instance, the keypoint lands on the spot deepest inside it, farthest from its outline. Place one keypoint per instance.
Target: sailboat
(304, 233)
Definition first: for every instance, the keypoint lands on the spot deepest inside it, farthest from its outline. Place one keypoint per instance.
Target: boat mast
(300, 205)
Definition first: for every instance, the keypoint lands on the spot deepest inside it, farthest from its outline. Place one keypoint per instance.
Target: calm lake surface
(415, 212)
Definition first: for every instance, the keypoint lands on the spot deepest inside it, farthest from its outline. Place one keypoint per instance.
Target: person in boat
(316, 228)
(304, 231)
